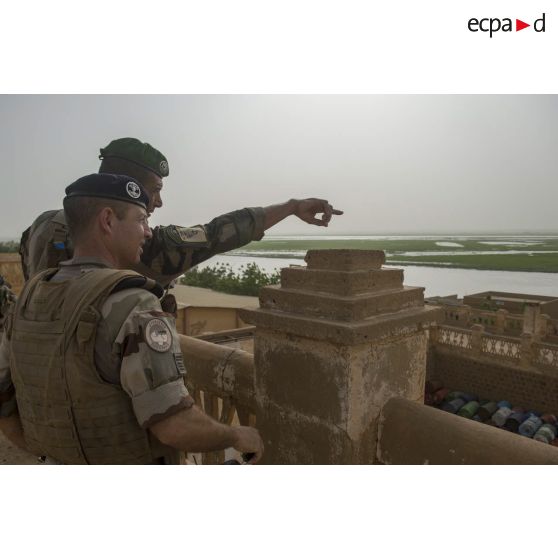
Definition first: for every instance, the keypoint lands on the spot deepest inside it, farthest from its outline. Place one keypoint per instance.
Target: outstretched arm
(306, 210)
(173, 250)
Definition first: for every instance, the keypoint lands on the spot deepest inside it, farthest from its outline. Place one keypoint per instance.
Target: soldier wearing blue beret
(91, 369)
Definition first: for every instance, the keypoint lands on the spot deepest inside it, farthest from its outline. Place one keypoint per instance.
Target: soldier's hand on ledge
(309, 208)
(248, 440)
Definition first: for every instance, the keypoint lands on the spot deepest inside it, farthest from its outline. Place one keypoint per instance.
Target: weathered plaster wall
(320, 401)
(414, 434)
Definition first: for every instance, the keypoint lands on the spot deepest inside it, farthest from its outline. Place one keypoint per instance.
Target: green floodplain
(501, 253)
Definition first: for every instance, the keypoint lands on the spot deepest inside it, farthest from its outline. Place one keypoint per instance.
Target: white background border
(274, 47)
(287, 46)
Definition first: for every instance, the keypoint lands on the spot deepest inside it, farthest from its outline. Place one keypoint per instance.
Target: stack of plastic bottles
(502, 414)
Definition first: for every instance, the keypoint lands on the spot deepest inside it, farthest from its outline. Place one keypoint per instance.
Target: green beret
(109, 186)
(142, 154)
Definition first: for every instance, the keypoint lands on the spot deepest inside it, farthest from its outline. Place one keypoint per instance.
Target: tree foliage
(9, 246)
(247, 281)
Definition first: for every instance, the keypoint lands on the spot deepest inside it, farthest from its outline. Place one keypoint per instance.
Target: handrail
(224, 371)
(411, 434)
(221, 380)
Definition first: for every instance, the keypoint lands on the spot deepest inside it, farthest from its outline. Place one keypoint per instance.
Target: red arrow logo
(519, 25)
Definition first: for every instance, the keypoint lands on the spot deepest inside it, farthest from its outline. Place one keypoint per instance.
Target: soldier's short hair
(115, 165)
(80, 212)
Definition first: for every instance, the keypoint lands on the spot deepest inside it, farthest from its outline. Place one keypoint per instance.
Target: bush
(9, 246)
(247, 281)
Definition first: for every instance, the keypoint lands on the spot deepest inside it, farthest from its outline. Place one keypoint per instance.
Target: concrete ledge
(219, 370)
(344, 283)
(344, 259)
(414, 434)
(397, 324)
(342, 308)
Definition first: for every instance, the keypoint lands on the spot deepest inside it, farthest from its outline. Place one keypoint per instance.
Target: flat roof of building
(521, 297)
(196, 296)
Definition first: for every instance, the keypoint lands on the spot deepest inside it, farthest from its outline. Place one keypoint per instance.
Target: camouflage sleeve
(173, 250)
(8, 404)
(146, 344)
(7, 301)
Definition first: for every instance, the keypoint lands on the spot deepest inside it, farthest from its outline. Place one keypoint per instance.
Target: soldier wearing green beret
(90, 367)
(171, 250)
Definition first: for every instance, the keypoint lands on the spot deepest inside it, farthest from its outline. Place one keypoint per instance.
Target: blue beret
(111, 186)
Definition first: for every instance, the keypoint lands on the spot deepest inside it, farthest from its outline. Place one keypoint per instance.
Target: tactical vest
(67, 410)
(45, 243)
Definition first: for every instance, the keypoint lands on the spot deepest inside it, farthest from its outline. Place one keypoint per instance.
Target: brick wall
(523, 387)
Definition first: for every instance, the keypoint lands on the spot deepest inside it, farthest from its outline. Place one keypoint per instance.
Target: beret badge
(133, 190)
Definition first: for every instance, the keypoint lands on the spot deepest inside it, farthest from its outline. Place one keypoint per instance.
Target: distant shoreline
(444, 265)
(522, 253)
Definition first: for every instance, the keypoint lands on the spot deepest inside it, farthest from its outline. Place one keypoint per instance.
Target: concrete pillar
(477, 331)
(333, 344)
(468, 316)
(433, 335)
(541, 327)
(526, 357)
(501, 316)
(531, 316)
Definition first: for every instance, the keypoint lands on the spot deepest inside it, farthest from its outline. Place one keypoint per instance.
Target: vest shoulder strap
(140, 282)
(92, 289)
(30, 286)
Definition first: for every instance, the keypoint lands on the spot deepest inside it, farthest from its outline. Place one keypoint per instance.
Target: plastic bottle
(546, 433)
(440, 395)
(453, 406)
(487, 410)
(469, 409)
(515, 419)
(529, 426)
(501, 415)
(549, 418)
(461, 395)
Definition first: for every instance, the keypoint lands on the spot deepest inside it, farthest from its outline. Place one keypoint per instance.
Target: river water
(437, 281)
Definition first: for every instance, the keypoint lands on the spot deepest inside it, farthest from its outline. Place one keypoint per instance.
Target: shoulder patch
(193, 235)
(158, 335)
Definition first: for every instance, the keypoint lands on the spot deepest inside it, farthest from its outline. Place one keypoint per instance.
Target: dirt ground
(12, 455)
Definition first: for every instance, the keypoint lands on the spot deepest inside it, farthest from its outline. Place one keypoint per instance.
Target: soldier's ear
(106, 219)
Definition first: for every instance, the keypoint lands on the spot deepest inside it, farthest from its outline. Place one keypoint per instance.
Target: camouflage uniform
(171, 251)
(121, 349)
(7, 299)
(136, 347)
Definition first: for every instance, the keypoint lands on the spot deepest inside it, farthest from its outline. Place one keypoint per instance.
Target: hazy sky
(394, 164)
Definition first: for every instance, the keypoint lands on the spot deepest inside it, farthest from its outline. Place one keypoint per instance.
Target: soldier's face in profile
(153, 186)
(130, 235)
